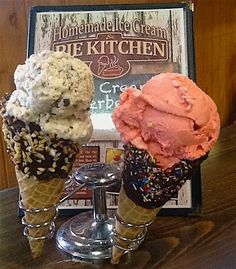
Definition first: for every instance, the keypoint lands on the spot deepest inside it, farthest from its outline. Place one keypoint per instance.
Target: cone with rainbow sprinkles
(45, 121)
(168, 129)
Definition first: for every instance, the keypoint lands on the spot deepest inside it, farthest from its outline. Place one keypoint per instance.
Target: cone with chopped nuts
(45, 121)
(42, 163)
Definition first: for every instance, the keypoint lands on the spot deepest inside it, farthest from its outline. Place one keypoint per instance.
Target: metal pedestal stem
(88, 235)
(99, 204)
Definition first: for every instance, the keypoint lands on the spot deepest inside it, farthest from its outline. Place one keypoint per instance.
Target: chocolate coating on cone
(35, 153)
(147, 184)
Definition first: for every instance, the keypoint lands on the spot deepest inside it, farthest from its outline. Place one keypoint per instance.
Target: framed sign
(124, 45)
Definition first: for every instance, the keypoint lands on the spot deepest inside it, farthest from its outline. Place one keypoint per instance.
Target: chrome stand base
(86, 238)
(88, 235)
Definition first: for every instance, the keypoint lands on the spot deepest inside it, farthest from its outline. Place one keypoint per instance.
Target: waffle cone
(42, 164)
(146, 188)
(39, 194)
(129, 212)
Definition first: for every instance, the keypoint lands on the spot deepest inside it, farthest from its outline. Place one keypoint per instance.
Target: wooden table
(207, 242)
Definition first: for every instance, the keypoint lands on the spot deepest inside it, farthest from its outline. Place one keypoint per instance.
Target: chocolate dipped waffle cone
(45, 121)
(169, 127)
(146, 188)
(42, 164)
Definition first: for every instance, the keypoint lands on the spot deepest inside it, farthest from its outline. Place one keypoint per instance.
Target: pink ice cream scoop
(171, 118)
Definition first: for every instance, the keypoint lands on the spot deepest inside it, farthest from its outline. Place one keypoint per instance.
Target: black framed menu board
(124, 45)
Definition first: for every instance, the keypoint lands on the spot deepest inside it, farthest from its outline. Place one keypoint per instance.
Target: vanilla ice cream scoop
(54, 90)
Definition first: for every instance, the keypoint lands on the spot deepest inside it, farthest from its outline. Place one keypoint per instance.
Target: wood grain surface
(215, 42)
(207, 242)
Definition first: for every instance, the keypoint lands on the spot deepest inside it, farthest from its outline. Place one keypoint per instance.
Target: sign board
(124, 45)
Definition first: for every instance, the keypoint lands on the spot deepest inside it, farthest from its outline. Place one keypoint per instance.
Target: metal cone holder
(127, 244)
(88, 235)
(50, 224)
